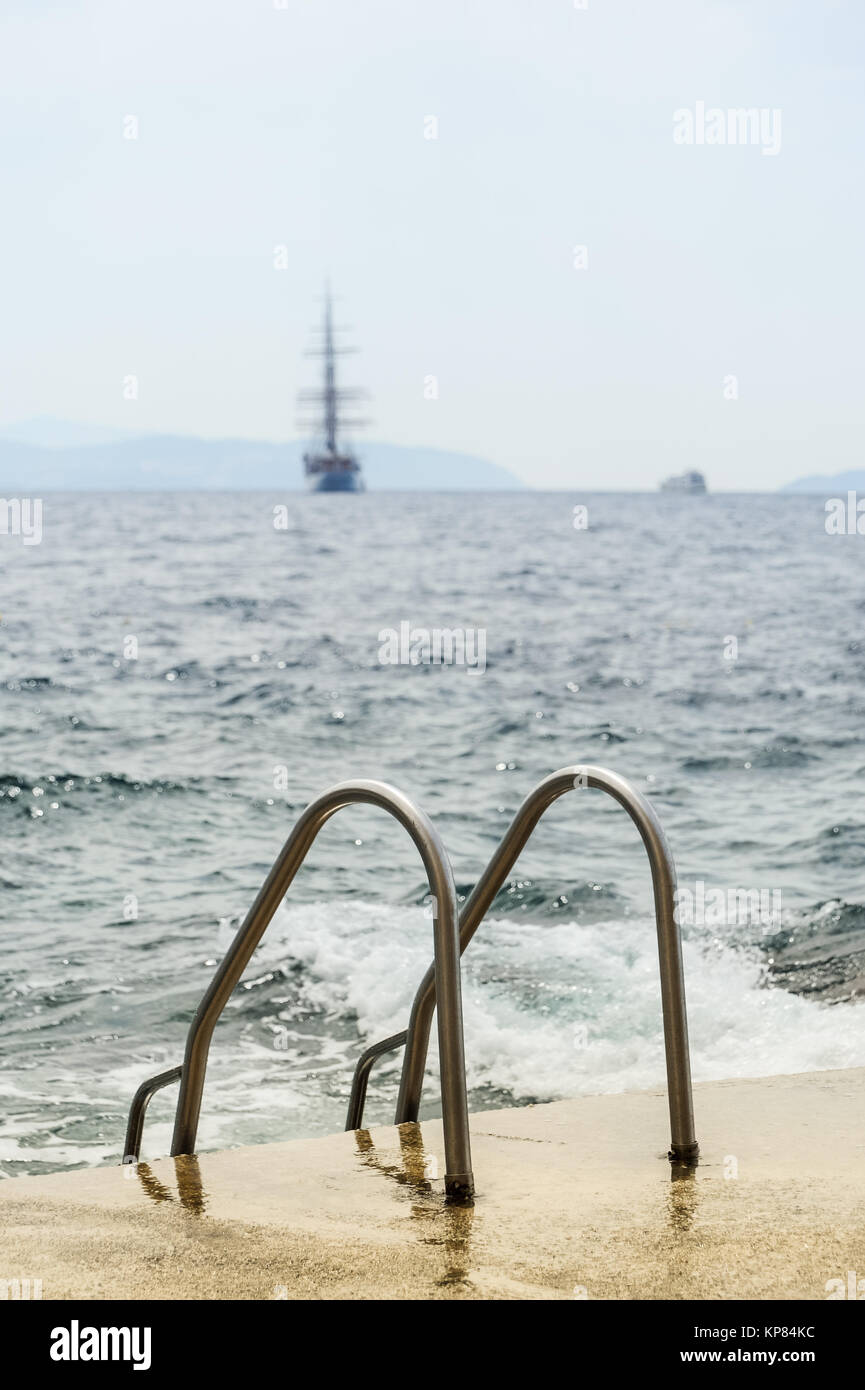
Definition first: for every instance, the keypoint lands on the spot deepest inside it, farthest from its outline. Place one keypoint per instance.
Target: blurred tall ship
(327, 466)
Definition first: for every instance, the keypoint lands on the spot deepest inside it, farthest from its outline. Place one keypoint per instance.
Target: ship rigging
(328, 466)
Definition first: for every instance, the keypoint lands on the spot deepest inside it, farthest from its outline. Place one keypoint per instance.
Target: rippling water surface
(143, 799)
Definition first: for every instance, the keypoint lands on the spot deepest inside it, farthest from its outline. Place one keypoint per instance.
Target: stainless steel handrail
(138, 1108)
(684, 1145)
(459, 1184)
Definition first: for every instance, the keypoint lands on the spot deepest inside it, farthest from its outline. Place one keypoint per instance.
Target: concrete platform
(574, 1199)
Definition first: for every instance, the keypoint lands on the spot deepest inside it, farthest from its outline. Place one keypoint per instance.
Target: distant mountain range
(44, 455)
(834, 484)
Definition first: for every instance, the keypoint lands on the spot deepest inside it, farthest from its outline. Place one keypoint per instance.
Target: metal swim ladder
(459, 1183)
(683, 1148)
(452, 933)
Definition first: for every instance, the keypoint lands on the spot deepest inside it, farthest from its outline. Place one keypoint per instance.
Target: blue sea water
(180, 677)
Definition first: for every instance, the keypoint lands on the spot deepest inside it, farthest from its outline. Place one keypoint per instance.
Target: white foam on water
(571, 1008)
(551, 1011)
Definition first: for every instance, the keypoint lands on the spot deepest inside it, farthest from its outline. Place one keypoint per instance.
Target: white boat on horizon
(690, 482)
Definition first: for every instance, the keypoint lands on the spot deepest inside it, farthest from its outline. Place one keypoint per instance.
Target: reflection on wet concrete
(417, 1169)
(442, 1225)
(457, 1244)
(683, 1197)
(451, 1229)
(190, 1190)
(189, 1185)
(151, 1184)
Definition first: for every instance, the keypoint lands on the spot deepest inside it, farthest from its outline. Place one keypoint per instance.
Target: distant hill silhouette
(50, 455)
(835, 483)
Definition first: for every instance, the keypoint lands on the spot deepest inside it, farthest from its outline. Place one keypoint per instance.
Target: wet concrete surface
(575, 1199)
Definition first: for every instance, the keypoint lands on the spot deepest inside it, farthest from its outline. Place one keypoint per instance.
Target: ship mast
(330, 391)
(330, 397)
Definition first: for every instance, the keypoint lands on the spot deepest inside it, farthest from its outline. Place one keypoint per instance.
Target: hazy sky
(300, 124)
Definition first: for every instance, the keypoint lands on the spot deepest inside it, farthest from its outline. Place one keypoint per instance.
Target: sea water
(182, 673)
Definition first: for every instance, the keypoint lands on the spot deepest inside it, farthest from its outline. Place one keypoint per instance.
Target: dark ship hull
(336, 480)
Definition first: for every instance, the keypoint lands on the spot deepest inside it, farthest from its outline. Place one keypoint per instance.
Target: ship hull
(336, 482)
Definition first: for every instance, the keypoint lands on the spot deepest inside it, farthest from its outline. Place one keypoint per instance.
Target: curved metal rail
(684, 1147)
(445, 975)
(138, 1109)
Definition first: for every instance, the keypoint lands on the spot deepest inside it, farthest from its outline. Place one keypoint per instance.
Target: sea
(180, 674)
